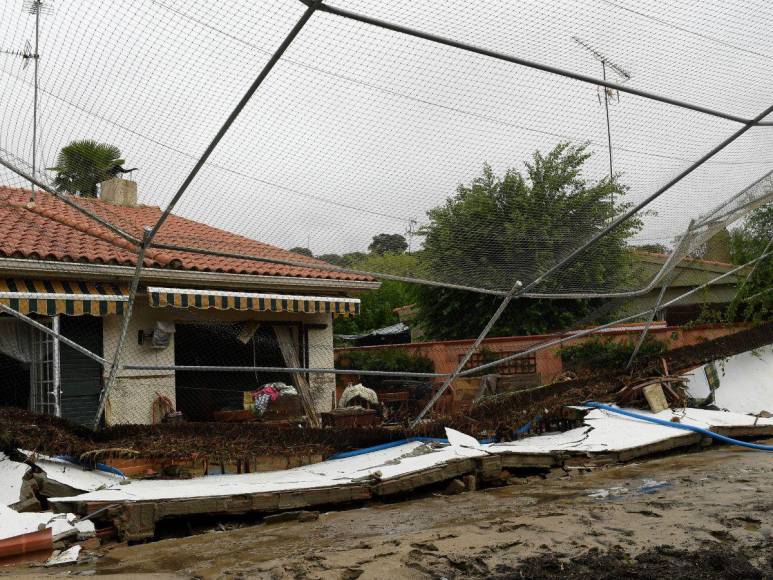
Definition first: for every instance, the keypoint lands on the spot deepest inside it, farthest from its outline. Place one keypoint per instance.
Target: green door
(80, 377)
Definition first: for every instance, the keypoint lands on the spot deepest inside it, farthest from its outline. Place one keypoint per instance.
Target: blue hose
(657, 421)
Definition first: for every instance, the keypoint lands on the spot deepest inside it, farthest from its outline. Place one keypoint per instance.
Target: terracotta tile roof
(664, 257)
(51, 230)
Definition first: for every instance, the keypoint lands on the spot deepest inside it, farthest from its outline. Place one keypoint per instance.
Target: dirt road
(701, 515)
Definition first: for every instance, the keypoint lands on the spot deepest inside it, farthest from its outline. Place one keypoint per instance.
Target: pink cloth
(270, 391)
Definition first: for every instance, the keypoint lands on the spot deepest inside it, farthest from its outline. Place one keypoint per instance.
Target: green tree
(388, 244)
(353, 258)
(377, 308)
(498, 230)
(335, 259)
(302, 251)
(82, 165)
(653, 248)
(754, 300)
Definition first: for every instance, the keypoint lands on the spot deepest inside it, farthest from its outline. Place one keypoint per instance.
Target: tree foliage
(378, 305)
(82, 165)
(302, 251)
(754, 300)
(501, 229)
(383, 359)
(653, 248)
(388, 244)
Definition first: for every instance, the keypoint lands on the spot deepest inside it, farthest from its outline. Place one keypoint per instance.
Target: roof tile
(52, 230)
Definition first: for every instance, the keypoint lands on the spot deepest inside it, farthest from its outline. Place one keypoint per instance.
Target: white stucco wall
(321, 355)
(132, 396)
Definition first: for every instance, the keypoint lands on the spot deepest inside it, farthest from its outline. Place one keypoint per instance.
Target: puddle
(620, 492)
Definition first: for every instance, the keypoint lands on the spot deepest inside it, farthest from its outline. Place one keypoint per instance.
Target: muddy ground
(704, 514)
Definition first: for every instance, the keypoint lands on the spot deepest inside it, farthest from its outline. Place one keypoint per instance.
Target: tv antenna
(36, 8)
(410, 232)
(31, 53)
(608, 93)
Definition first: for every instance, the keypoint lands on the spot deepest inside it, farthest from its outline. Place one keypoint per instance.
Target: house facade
(197, 311)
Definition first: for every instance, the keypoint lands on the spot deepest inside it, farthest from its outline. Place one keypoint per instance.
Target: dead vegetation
(226, 442)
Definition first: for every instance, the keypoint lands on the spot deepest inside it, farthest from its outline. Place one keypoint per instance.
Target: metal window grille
(44, 375)
(517, 366)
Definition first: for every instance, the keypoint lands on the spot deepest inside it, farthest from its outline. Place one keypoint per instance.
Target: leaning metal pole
(682, 247)
(463, 361)
(56, 335)
(516, 292)
(127, 316)
(595, 329)
(567, 336)
(646, 329)
(66, 199)
(151, 232)
(312, 7)
(351, 15)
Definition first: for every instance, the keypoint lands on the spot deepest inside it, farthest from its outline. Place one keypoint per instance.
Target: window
(518, 366)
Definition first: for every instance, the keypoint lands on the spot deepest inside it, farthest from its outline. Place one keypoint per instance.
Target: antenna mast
(36, 8)
(608, 93)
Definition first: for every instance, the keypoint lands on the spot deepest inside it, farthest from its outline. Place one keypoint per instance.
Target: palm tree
(81, 165)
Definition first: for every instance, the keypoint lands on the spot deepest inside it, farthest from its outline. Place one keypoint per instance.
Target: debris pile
(29, 529)
(517, 408)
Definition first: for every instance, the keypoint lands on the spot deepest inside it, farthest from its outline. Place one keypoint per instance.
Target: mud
(701, 515)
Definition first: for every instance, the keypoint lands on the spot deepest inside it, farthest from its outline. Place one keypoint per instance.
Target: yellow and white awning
(250, 301)
(51, 297)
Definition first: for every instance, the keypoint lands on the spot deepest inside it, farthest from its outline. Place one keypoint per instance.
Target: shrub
(600, 353)
(383, 359)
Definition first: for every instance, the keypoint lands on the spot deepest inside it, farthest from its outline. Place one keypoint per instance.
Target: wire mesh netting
(521, 150)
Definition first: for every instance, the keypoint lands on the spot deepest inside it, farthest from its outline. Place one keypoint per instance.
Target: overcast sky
(359, 130)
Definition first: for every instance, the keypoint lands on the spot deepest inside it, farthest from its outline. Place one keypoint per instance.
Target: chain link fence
(519, 153)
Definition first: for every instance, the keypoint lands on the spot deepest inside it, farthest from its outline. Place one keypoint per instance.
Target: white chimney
(119, 191)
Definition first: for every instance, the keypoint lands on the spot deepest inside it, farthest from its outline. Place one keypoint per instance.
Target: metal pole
(240, 369)
(124, 331)
(573, 335)
(609, 130)
(751, 272)
(516, 293)
(68, 201)
(151, 232)
(681, 248)
(483, 334)
(524, 62)
(757, 295)
(35, 101)
(325, 267)
(312, 7)
(564, 338)
(57, 371)
(332, 268)
(646, 329)
(620, 219)
(44, 329)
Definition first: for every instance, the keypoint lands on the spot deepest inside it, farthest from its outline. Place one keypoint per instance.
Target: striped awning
(249, 301)
(50, 297)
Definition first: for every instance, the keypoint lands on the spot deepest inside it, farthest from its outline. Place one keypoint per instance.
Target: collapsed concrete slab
(62, 525)
(742, 383)
(605, 438)
(12, 475)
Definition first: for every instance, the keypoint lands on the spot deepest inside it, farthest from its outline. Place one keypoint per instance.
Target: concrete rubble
(738, 391)
(744, 382)
(27, 529)
(605, 437)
